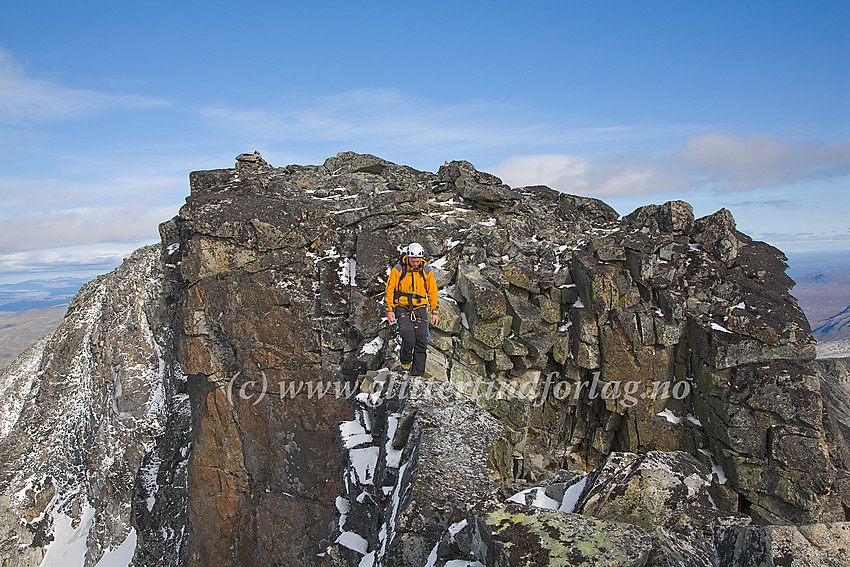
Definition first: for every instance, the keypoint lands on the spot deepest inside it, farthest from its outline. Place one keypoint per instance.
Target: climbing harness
(409, 295)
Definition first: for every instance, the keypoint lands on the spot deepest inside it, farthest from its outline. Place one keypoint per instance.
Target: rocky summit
(599, 390)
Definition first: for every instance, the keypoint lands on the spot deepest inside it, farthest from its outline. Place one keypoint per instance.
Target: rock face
(660, 353)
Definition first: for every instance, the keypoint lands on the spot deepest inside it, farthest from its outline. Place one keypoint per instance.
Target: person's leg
(408, 335)
(420, 349)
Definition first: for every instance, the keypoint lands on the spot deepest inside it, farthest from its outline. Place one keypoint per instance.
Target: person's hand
(434, 318)
(390, 317)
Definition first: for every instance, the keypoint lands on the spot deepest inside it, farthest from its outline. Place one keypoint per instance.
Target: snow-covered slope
(80, 410)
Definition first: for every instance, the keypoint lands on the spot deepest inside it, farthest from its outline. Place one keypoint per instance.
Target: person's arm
(433, 296)
(392, 284)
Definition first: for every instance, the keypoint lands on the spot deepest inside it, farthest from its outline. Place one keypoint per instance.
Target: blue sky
(106, 106)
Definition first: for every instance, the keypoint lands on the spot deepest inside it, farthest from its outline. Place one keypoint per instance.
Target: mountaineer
(411, 289)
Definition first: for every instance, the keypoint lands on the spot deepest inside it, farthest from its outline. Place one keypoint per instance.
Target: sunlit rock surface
(220, 398)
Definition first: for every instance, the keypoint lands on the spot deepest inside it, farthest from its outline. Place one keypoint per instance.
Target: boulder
(482, 189)
(252, 162)
(765, 420)
(526, 317)
(450, 319)
(667, 495)
(596, 283)
(716, 235)
(515, 535)
(671, 217)
(811, 545)
(485, 302)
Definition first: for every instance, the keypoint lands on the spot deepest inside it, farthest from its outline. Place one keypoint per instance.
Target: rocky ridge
(82, 412)
(582, 361)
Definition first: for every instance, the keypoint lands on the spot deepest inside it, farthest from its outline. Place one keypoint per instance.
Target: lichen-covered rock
(811, 545)
(667, 494)
(515, 535)
(596, 283)
(485, 301)
(448, 476)
(526, 317)
(483, 189)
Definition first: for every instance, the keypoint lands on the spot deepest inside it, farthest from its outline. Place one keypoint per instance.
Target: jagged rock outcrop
(657, 350)
(648, 510)
(82, 412)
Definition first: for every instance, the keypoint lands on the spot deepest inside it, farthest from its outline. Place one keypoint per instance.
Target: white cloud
(83, 259)
(419, 131)
(143, 188)
(81, 225)
(580, 176)
(24, 99)
(780, 204)
(806, 241)
(732, 163)
(711, 161)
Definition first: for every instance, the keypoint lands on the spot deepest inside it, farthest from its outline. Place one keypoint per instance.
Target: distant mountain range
(30, 310)
(824, 296)
(37, 294)
(835, 327)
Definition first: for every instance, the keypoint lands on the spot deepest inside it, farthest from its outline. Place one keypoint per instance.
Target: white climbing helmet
(415, 250)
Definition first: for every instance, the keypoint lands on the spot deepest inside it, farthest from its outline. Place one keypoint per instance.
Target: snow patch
(721, 328)
(69, 543)
(393, 457)
(439, 263)
(669, 416)
(348, 210)
(364, 461)
(347, 271)
(571, 496)
(353, 542)
(353, 434)
(16, 389)
(543, 501)
(122, 555)
(716, 469)
(540, 500)
(373, 346)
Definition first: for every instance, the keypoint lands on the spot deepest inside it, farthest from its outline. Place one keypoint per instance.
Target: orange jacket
(417, 288)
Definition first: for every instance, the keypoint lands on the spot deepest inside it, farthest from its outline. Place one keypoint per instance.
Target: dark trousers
(414, 337)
